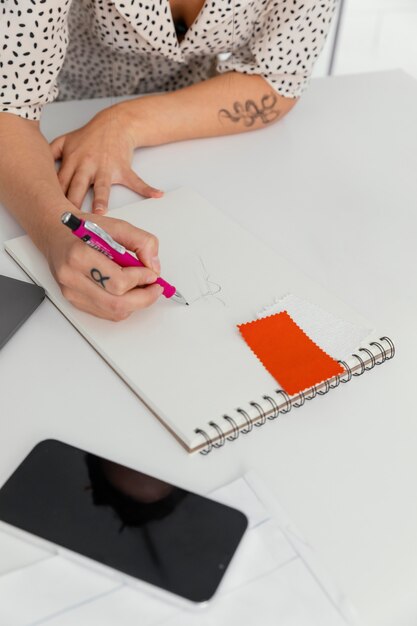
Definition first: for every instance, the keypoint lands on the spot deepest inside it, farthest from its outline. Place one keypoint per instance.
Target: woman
(169, 48)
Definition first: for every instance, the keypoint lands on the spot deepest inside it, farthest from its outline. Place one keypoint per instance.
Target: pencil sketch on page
(208, 286)
(195, 281)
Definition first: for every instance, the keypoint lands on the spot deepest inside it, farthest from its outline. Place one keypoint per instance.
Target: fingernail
(156, 264)
(150, 279)
(99, 209)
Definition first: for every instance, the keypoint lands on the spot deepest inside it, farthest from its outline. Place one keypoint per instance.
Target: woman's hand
(97, 285)
(99, 155)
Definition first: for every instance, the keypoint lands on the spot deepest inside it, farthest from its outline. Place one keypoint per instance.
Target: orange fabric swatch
(292, 358)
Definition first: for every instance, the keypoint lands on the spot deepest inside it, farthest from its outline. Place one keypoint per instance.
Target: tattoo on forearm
(249, 112)
(98, 277)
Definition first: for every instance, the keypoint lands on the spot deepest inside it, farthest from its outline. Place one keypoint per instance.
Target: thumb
(143, 244)
(57, 146)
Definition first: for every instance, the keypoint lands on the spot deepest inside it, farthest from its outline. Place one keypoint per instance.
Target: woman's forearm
(223, 105)
(29, 186)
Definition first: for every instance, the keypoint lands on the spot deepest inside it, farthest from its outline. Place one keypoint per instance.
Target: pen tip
(178, 297)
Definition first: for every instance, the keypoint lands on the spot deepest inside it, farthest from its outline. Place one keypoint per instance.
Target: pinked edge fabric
(288, 353)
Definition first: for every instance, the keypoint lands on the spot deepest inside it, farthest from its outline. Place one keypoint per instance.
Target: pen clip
(105, 236)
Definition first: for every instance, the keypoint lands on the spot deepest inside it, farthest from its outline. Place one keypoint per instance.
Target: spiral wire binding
(274, 405)
(261, 412)
(384, 354)
(288, 405)
(235, 432)
(248, 421)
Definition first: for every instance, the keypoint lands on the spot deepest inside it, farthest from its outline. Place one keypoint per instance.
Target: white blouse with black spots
(92, 48)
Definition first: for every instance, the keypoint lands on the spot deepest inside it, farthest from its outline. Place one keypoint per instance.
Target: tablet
(18, 300)
(146, 530)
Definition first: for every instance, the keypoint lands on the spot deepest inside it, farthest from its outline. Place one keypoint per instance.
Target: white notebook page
(189, 364)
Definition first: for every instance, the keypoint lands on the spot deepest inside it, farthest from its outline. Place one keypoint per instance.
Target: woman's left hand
(99, 154)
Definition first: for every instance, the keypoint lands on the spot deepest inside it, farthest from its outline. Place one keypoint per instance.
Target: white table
(333, 188)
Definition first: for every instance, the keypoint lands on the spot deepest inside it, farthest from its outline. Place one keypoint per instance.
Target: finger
(143, 244)
(84, 262)
(140, 298)
(102, 185)
(121, 282)
(137, 277)
(65, 174)
(78, 187)
(57, 146)
(131, 180)
(108, 306)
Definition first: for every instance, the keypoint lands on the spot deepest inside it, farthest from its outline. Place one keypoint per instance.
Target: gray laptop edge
(18, 300)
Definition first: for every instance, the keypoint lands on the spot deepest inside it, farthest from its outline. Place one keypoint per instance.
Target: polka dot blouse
(72, 49)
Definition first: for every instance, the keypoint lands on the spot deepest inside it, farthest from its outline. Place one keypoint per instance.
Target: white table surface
(332, 187)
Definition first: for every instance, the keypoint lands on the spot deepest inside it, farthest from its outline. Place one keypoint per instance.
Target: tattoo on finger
(98, 277)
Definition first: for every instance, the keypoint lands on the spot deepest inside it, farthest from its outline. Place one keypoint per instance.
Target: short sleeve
(285, 43)
(33, 41)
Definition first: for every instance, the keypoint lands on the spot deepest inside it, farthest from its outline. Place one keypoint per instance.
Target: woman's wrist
(46, 224)
(140, 117)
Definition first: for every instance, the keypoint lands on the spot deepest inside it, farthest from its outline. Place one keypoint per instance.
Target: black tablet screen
(18, 300)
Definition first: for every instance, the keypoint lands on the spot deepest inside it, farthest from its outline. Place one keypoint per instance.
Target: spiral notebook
(189, 364)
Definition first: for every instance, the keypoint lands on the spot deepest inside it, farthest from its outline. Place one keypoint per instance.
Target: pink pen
(98, 239)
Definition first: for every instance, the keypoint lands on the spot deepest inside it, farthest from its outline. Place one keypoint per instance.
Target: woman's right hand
(94, 283)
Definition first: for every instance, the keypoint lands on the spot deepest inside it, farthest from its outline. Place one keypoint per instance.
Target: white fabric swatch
(336, 336)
